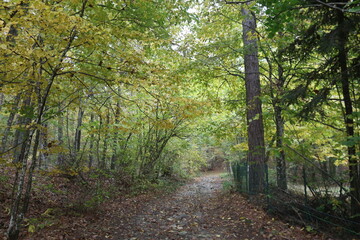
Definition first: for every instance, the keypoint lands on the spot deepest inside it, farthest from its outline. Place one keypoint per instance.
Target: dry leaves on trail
(198, 210)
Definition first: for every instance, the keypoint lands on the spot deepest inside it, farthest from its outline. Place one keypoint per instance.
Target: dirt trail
(198, 210)
(180, 216)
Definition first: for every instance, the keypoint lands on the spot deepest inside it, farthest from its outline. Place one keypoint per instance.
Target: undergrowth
(57, 194)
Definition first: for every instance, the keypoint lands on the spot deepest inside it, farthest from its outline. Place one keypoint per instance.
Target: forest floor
(200, 209)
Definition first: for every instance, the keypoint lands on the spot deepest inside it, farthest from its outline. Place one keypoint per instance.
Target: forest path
(200, 210)
(184, 215)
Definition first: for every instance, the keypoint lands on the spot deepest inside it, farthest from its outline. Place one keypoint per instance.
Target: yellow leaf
(31, 228)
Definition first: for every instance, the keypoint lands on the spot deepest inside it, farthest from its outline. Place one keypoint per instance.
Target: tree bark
(115, 138)
(279, 122)
(105, 140)
(10, 121)
(91, 151)
(60, 137)
(348, 120)
(2, 97)
(43, 145)
(77, 141)
(98, 141)
(255, 128)
(21, 132)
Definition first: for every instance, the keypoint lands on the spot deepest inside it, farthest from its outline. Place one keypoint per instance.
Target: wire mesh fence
(317, 195)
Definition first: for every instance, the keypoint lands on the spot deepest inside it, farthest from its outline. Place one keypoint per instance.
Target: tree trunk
(279, 122)
(77, 141)
(115, 138)
(16, 215)
(22, 145)
(105, 140)
(22, 131)
(43, 142)
(10, 121)
(91, 151)
(255, 128)
(28, 185)
(2, 97)
(60, 137)
(280, 159)
(348, 120)
(99, 130)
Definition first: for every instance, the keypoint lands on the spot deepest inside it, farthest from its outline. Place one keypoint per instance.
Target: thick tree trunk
(256, 154)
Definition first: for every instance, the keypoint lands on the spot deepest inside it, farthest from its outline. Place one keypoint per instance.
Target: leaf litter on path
(197, 210)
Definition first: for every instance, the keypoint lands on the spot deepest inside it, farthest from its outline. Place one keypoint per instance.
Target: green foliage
(91, 197)
(228, 183)
(51, 187)
(228, 186)
(141, 186)
(4, 180)
(97, 198)
(46, 219)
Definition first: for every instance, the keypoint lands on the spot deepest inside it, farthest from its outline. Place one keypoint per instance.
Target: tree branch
(241, 2)
(330, 5)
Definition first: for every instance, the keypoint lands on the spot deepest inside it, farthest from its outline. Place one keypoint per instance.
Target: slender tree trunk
(19, 157)
(2, 97)
(22, 144)
(43, 156)
(280, 159)
(105, 140)
(77, 141)
(91, 151)
(256, 154)
(10, 121)
(22, 132)
(115, 138)
(348, 120)
(60, 137)
(279, 122)
(28, 185)
(16, 216)
(98, 158)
